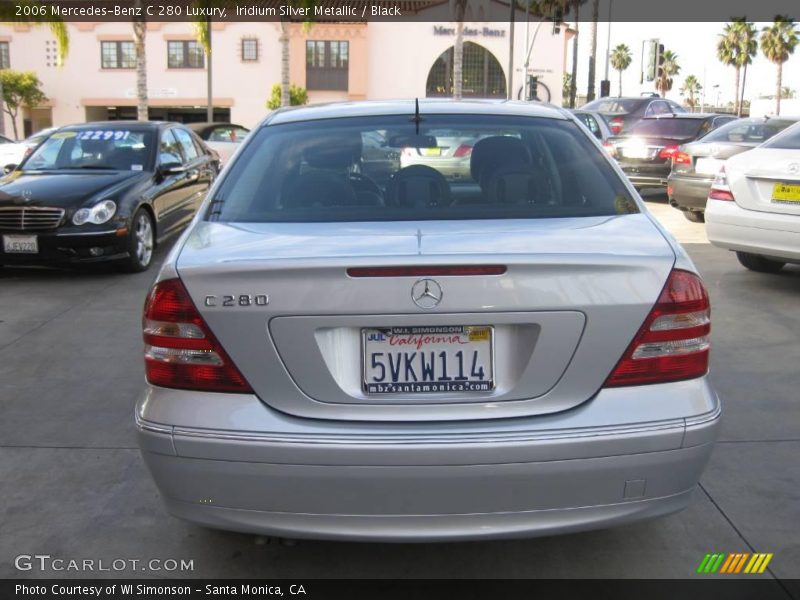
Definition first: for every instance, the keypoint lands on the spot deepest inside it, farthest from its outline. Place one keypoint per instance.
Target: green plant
(20, 88)
(297, 96)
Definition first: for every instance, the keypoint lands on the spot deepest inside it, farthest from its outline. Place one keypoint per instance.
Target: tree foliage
(20, 89)
(621, 58)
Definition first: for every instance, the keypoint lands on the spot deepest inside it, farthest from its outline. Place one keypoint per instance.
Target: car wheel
(141, 241)
(694, 216)
(754, 262)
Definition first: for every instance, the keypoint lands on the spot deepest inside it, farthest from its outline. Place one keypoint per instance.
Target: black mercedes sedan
(103, 192)
(645, 151)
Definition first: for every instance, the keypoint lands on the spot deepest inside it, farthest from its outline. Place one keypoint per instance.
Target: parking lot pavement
(74, 486)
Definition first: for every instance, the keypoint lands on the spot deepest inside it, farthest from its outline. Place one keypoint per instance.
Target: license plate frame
(431, 152)
(464, 378)
(787, 193)
(11, 244)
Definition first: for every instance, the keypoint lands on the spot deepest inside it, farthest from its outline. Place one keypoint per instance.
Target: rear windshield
(613, 106)
(787, 140)
(670, 127)
(455, 167)
(747, 131)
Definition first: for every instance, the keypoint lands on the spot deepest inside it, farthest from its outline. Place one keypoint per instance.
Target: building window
(185, 55)
(5, 61)
(118, 55)
(249, 50)
(326, 65)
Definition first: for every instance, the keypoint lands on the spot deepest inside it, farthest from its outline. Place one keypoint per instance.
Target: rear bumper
(642, 175)
(689, 193)
(405, 482)
(772, 235)
(69, 248)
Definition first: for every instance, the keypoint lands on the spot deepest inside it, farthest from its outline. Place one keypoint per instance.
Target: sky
(695, 45)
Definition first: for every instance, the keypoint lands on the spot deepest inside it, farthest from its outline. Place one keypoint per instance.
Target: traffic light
(652, 59)
(660, 61)
(605, 88)
(533, 87)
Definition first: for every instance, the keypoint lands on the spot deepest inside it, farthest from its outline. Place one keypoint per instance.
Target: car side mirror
(170, 168)
(9, 168)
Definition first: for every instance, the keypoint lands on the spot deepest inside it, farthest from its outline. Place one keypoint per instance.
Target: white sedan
(754, 204)
(11, 155)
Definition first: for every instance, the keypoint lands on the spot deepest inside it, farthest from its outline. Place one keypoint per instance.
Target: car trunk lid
(767, 180)
(572, 295)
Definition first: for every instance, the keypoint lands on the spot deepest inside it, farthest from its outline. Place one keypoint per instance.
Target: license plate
(428, 360)
(431, 151)
(20, 244)
(708, 166)
(786, 192)
(635, 152)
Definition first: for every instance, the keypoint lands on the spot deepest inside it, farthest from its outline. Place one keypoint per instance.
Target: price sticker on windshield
(104, 134)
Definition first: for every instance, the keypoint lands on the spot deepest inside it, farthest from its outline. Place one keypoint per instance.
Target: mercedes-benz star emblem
(794, 168)
(426, 293)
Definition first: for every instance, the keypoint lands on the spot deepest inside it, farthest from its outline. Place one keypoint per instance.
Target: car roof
(685, 116)
(117, 124)
(339, 110)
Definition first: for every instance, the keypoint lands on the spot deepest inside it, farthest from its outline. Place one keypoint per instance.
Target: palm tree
(202, 33)
(788, 93)
(58, 29)
(778, 41)
(669, 68)
(593, 57)
(139, 34)
(736, 47)
(692, 87)
(620, 60)
(458, 8)
(284, 41)
(576, 5)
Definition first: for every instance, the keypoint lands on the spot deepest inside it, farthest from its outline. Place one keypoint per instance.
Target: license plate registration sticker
(786, 192)
(20, 244)
(427, 360)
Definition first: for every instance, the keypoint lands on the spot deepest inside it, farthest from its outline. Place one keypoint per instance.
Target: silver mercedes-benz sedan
(520, 352)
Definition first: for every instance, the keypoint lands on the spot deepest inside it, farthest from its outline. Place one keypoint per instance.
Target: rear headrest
(496, 150)
(334, 151)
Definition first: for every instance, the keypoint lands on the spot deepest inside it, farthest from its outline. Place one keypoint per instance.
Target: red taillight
(462, 151)
(668, 151)
(720, 190)
(616, 124)
(673, 342)
(681, 158)
(179, 349)
(430, 271)
(715, 194)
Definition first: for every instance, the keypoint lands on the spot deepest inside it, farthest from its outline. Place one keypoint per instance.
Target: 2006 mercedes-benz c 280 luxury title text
(339, 347)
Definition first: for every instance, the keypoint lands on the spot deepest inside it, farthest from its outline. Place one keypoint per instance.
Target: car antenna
(417, 119)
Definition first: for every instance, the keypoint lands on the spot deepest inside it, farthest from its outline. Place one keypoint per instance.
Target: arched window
(482, 75)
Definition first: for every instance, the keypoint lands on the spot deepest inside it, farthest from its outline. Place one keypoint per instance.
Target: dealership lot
(74, 486)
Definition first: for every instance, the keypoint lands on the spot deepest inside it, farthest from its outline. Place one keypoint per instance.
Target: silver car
(518, 353)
